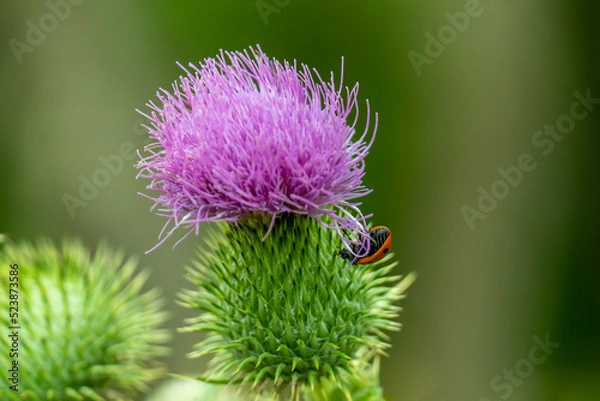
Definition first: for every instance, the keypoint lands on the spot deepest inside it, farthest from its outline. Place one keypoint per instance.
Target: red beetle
(381, 243)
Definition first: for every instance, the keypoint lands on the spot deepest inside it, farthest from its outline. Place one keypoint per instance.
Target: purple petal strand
(242, 134)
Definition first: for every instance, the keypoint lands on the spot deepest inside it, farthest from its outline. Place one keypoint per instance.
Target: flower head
(242, 134)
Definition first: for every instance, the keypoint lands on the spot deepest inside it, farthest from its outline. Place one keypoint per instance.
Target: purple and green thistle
(266, 149)
(242, 135)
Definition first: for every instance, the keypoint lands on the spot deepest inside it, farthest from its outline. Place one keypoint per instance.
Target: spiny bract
(284, 313)
(86, 330)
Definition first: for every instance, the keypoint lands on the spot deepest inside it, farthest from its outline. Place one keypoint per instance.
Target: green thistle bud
(284, 316)
(87, 332)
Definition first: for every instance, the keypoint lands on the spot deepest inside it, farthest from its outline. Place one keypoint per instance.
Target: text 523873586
(13, 318)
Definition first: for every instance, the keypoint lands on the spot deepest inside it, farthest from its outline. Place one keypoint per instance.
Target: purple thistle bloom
(242, 134)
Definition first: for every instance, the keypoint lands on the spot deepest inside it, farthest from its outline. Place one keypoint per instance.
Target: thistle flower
(242, 134)
(87, 332)
(283, 317)
(267, 145)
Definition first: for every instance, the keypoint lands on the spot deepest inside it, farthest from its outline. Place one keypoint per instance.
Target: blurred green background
(530, 268)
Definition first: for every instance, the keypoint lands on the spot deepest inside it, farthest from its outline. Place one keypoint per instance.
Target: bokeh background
(529, 268)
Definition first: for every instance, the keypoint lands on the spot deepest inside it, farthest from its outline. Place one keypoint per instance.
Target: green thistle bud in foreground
(283, 316)
(86, 329)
